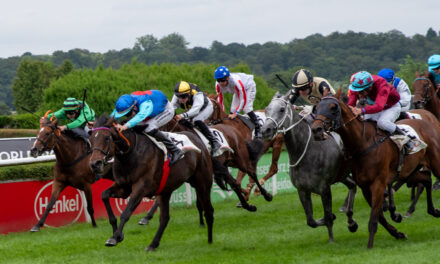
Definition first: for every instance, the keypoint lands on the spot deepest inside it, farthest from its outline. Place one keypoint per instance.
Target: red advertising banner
(23, 203)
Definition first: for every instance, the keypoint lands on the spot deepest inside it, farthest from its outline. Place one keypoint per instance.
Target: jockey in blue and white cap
(150, 108)
(400, 85)
(243, 87)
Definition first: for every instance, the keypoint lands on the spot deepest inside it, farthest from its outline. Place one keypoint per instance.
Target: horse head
(278, 113)
(424, 90)
(102, 139)
(47, 137)
(328, 115)
(218, 113)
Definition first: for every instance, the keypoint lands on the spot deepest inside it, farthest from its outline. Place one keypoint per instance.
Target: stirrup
(175, 157)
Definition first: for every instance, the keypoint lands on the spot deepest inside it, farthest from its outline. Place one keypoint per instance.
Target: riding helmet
(301, 78)
(221, 72)
(361, 81)
(181, 88)
(387, 74)
(123, 105)
(434, 62)
(71, 104)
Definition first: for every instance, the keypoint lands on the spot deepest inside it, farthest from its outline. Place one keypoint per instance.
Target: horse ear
(277, 94)
(339, 93)
(417, 74)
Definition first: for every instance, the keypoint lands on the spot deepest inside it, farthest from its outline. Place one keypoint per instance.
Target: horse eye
(282, 110)
(334, 108)
(47, 134)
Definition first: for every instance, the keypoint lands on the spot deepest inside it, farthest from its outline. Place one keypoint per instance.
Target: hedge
(37, 171)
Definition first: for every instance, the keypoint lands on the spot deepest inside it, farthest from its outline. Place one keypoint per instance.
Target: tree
(32, 78)
(146, 43)
(431, 34)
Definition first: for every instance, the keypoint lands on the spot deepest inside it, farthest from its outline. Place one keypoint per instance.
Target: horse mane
(104, 120)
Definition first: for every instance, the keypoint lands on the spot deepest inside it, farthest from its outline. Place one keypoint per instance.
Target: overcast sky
(45, 26)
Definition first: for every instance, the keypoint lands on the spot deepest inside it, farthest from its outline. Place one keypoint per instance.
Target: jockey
(434, 69)
(149, 108)
(310, 88)
(400, 85)
(243, 87)
(74, 110)
(382, 101)
(197, 108)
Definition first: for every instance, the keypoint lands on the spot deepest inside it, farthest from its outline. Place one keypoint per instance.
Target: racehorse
(314, 165)
(71, 166)
(246, 151)
(425, 95)
(140, 171)
(375, 158)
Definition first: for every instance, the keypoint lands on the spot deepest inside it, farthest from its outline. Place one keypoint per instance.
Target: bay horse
(314, 165)
(375, 158)
(138, 168)
(71, 166)
(246, 151)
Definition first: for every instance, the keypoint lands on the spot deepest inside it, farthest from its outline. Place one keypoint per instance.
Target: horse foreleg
(351, 185)
(163, 220)
(276, 152)
(57, 188)
(89, 199)
(414, 199)
(306, 202)
(145, 220)
(265, 194)
(326, 198)
(204, 200)
(239, 179)
(105, 196)
(428, 186)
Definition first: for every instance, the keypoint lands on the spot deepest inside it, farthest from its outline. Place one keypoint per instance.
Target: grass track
(276, 233)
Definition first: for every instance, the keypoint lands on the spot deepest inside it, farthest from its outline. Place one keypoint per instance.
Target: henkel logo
(66, 210)
(143, 206)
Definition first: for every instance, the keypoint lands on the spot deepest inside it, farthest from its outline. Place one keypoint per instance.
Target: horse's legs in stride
(265, 194)
(326, 198)
(306, 202)
(239, 179)
(164, 217)
(200, 210)
(204, 199)
(351, 185)
(89, 199)
(105, 196)
(392, 206)
(137, 194)
(145, 220)
(57, 188)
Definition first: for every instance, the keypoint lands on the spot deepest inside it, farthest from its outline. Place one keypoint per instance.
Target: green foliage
(37, 171)
(408, 70)
(14, 133)
(19, 121)
(104, 86)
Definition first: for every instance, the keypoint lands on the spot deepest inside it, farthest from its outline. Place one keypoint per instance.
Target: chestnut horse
(375, 157)
(71, 166)
(138, 171)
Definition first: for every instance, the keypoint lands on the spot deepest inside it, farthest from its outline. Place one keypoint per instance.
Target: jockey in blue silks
(150, 108)
(401, 87)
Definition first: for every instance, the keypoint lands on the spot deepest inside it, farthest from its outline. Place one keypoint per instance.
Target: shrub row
(37, 171)
(24, 121)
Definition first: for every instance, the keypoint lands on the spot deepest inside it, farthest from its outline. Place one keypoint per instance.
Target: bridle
(110, 138)
(288, 114)
(426, 97)
(333, 121)
(52, 134)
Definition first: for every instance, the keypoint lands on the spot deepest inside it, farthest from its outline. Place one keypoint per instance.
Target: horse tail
(255, 149)
(220, 174)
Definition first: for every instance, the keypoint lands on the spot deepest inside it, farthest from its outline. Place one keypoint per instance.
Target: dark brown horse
(71, 166)
(138, 171)
(425, 94)
(375, 157)
(246, 151)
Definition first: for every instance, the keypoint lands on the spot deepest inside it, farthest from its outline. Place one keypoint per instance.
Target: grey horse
(314, 165)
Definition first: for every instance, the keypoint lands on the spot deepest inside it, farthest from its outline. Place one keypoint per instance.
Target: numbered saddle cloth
(181, 141)
(410, 134)
(220, 138)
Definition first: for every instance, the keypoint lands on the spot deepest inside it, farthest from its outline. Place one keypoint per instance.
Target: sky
(46, 26)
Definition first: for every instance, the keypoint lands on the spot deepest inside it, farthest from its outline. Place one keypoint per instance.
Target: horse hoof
(397, 218)
(35, 228)
(407, 215)
(239, 205)
(252, 208)
(401, 236)
(343, 209)
(111, 242)
(268, 197)
(353, 227)
(436, 213)
(257, 192)
(120, 238)
(150, 249)
(143, 221)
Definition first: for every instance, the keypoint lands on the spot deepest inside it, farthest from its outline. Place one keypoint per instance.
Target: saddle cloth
(414, 116)
(181, 141)
(410, 133)
(220, 138)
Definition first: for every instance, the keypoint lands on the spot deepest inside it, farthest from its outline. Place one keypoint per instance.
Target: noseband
(107, 152)
(52, 134)
(425, 97)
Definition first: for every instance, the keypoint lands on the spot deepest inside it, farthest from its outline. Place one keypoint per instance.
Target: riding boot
(408, 145)
(79, 132)
(176, 153)
(215, 145)
(254, 119)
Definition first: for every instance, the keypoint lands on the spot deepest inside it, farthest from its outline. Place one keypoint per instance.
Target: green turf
(276, 233)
